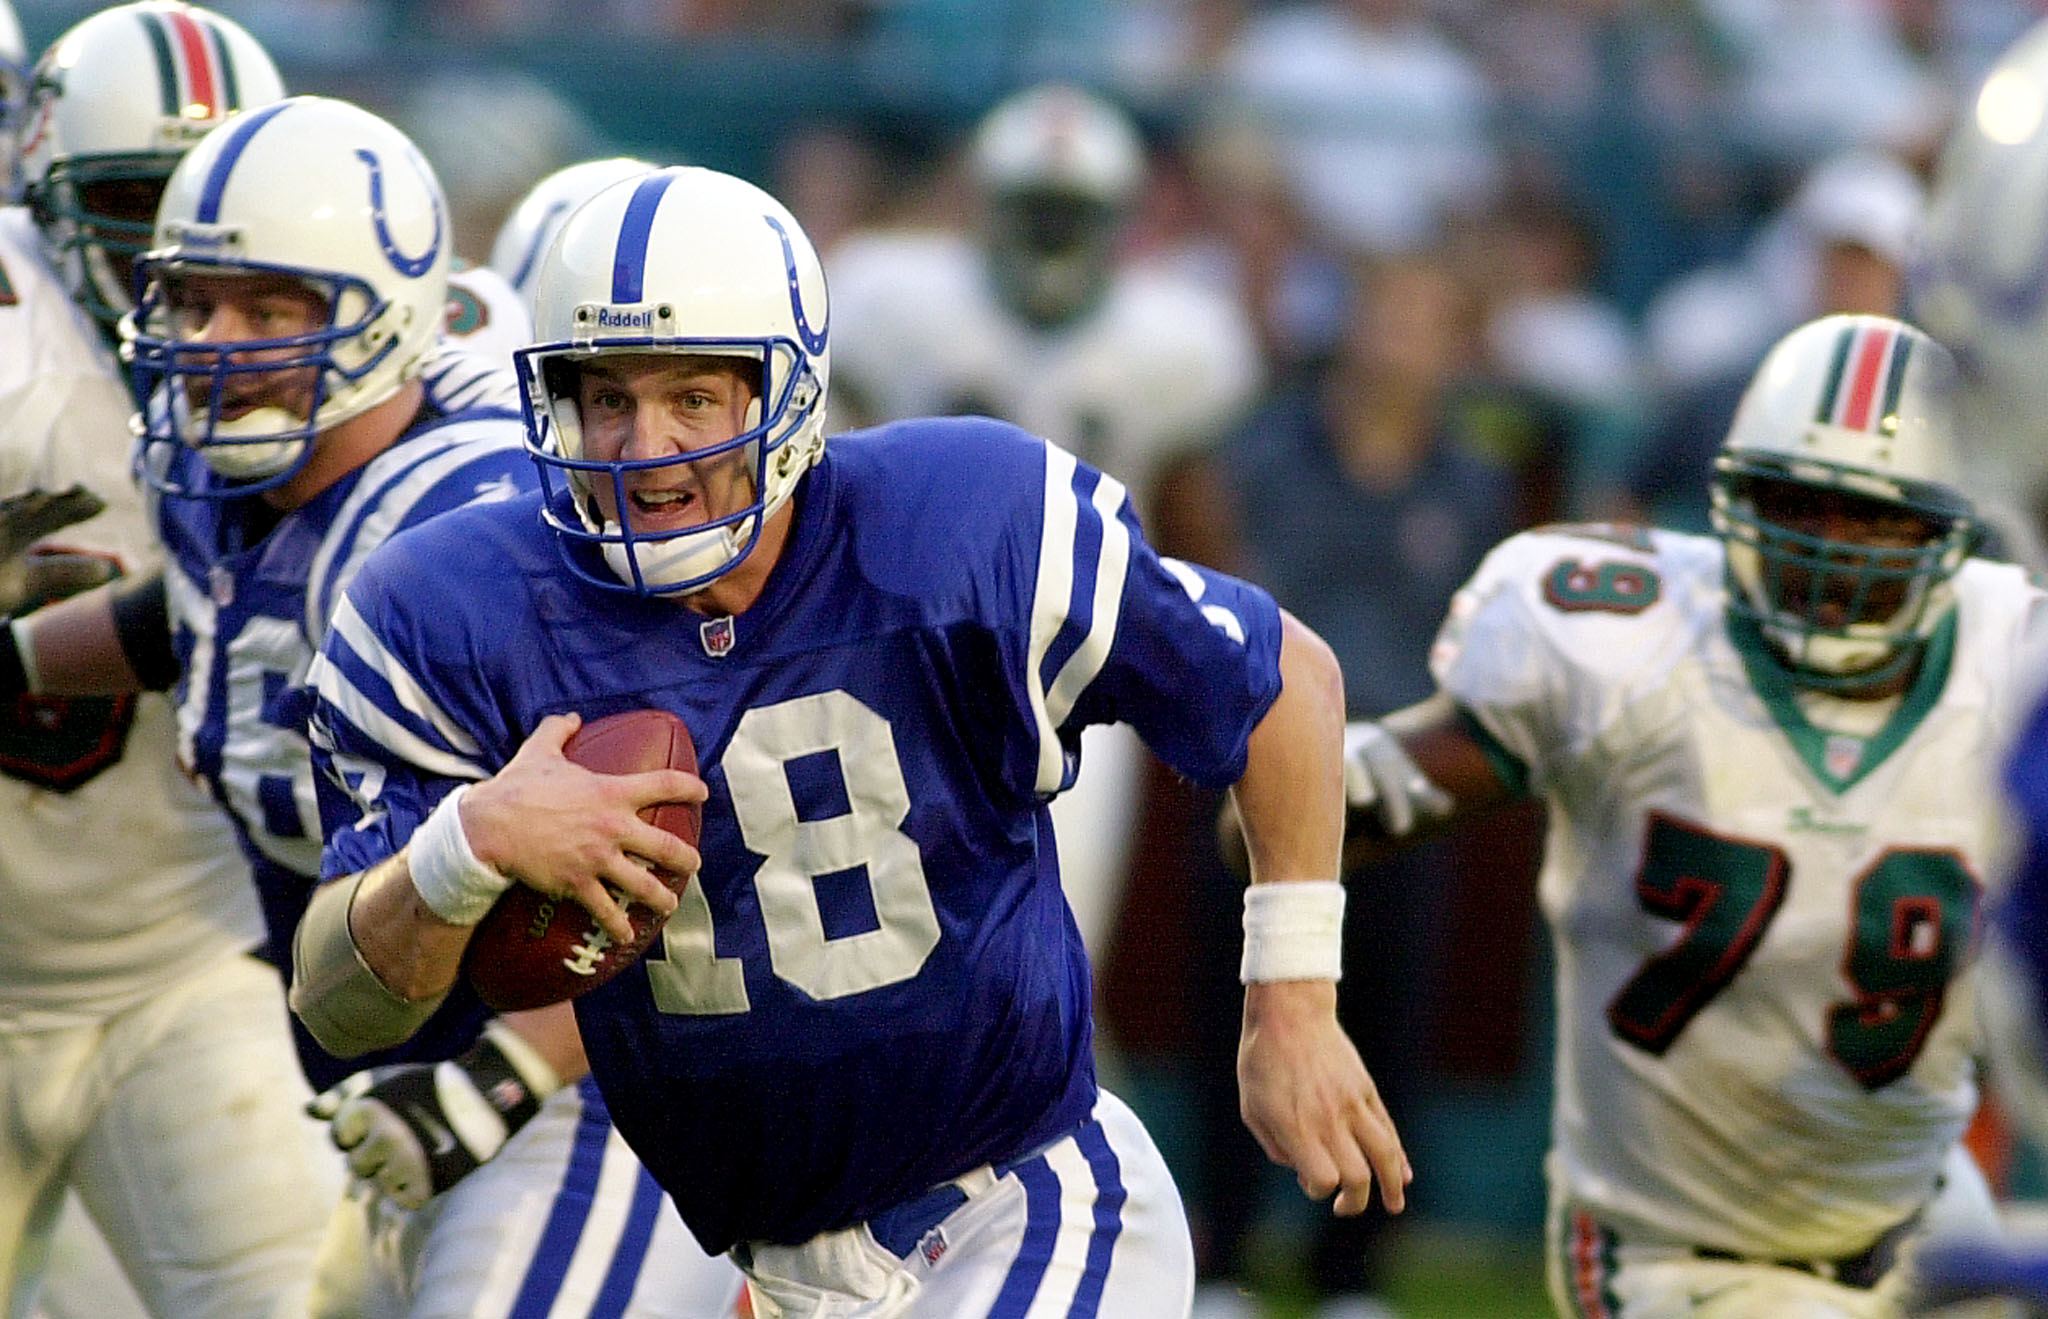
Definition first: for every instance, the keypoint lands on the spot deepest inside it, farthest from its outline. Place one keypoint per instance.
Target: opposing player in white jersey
(486, 317)
(299, 412)
(1037, 319)
(1767, 756)
(144, 1053)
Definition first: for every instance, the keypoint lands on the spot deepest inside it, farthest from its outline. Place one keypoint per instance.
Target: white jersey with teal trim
(486, 316)
(160, 891)
(1162, 365)
(1766, 1030)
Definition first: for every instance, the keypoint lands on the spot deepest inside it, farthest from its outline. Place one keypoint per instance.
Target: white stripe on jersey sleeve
(354, 630)
(458, 379)
(335, 689)
(431, 458)
(1052, 603)
(1113, 560)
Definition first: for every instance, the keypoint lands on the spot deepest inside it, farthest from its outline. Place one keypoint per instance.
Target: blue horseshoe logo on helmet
(412, 267)
(814, 343)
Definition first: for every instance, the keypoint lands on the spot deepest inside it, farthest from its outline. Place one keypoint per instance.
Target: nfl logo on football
(717, 635)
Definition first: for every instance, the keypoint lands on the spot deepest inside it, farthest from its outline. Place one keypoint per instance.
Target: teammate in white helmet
(301, 408)
(524, 236)
(144, 1052)
(1772, 822)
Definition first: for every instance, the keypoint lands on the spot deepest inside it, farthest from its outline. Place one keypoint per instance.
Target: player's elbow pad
(345, 1007)
(142, 624)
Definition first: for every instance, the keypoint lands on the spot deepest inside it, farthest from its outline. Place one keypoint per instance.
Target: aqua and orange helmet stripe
(1865, 377)
(195, 66)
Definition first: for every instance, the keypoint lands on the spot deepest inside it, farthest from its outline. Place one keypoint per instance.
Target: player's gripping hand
(1381, 777)
(557, 827)
(27, 580)
(415, 1129)
(1307, 1098)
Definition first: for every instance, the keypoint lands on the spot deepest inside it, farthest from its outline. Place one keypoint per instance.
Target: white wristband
(458, 887)
(1293, 930)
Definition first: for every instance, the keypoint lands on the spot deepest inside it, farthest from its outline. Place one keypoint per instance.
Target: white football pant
(1593, 1274)
(180, 1124)
(562, 1221)
(1091, 1226)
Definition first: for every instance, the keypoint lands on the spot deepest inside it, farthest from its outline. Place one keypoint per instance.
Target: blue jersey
(2024, 912)
(876, 986)
(251, 592)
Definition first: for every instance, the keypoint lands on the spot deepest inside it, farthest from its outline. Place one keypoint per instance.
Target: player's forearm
(1437, 737)
(1291, 799)
(356, 984)
(552, 1033)
(409, 946)
(107, 641)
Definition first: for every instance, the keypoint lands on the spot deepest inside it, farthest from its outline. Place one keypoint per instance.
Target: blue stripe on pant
(619, 1279)
(1042, 1216)
(572, 1208)
(1109, 1205)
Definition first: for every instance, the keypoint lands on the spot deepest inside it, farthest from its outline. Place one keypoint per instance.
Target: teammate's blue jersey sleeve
(2024, 912)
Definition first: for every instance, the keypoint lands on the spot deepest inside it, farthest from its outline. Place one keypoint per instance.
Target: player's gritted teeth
(665, 508)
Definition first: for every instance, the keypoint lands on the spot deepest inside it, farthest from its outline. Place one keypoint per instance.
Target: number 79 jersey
(1763, 930)
(874, 984)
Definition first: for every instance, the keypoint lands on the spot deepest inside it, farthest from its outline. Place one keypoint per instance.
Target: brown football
(530, 950)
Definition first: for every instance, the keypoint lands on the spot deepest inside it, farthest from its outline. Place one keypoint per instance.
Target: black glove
(415, 1129)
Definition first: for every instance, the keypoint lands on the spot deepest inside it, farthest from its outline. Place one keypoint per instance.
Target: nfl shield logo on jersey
(717, 635)
(1843, 755)
(221, 585)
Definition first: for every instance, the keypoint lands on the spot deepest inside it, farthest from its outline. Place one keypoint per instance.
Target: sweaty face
(659, 405)
(1866, 573)
(219, 311)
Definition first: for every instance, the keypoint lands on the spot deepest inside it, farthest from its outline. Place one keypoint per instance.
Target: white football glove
(415, 1129)
(1380, 777)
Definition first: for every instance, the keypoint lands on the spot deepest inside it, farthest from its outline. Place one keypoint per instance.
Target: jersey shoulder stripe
(357, 677)
(459, 461)
(461, 381)
(1084, 553)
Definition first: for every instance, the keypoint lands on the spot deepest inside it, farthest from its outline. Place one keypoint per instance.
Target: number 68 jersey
(1763, 928)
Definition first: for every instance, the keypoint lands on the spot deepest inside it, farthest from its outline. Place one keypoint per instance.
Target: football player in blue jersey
(300, 409)
(859, 1057)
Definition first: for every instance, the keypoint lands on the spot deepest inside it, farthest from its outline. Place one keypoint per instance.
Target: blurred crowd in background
(1499, 262)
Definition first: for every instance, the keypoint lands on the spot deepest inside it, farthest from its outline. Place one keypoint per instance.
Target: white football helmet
(688, 261)
(1058, 170)
(326, 194)
(1981, 285)
(114, 104)
(1861, 406)
(533, 224)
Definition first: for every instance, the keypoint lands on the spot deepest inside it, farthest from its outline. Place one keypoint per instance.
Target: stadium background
(1625, 200)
